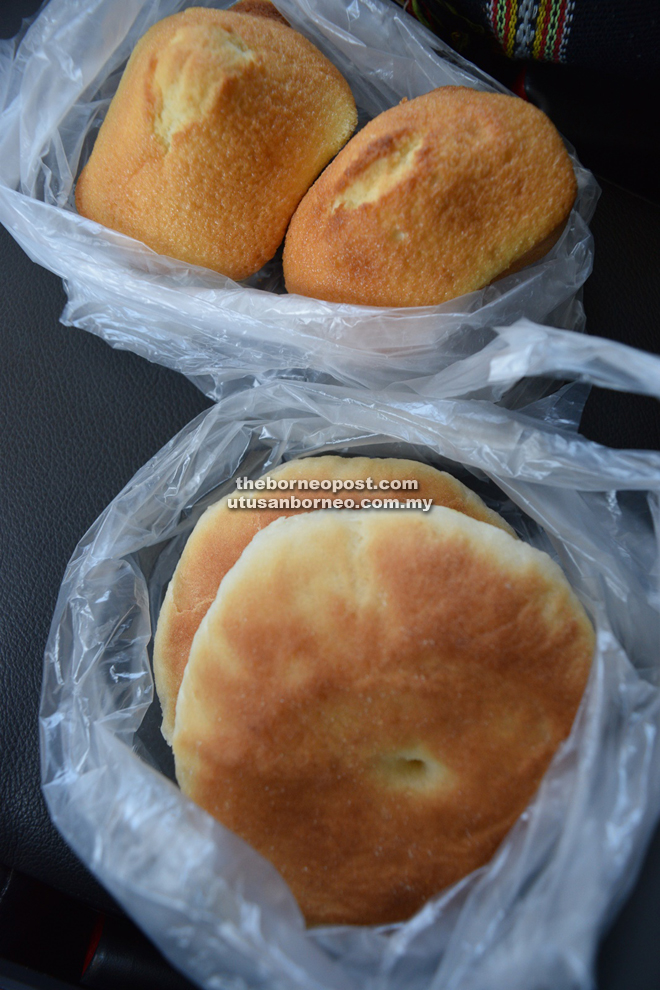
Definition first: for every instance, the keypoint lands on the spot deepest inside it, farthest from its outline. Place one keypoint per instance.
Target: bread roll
(222, 534)
(220, 124)
(434, 198)
(372, 699)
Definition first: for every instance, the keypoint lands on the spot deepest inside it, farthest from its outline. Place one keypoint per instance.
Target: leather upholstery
(622, 302)
(78, 420)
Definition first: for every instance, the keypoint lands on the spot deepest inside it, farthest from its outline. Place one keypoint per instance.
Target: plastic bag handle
(532, 350)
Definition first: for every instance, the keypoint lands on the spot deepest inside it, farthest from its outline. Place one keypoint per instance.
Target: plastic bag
(55, 87)
(531, 916)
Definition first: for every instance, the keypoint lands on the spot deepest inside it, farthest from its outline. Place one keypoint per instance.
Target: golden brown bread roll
(434, 198)
(222, 534)
(373, 697)
(220, 124)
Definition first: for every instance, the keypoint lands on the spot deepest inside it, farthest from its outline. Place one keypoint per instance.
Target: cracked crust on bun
(220, 124)
(434, 198)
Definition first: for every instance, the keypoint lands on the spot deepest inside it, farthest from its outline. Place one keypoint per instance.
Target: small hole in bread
(410, 767)
(413, 767)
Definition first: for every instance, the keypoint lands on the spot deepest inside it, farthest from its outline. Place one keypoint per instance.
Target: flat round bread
(372, 699)
(220, 124)
(222, 534)
(434, 198)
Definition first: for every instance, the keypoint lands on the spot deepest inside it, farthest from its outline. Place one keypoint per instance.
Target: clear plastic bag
(55, 86)
(527, 920)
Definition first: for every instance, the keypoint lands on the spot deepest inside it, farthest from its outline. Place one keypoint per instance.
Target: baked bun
(372, 699)
(220, 124)
(434, 198)
(221, 535)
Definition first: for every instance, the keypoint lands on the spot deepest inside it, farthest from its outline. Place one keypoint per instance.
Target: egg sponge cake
(220, 124)
(222, 534)
(372, 699)
(434, 198)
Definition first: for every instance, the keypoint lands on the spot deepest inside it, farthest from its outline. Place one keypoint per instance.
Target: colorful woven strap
(533, 28)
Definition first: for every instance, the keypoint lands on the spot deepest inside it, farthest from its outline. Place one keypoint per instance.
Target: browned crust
(195, 155)
(535, 253)
(434, 198)
(259, 8)
(222, 534)
(372, 699)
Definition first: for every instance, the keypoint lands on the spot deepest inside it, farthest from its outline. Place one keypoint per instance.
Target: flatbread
(372, 699)
(222, 534)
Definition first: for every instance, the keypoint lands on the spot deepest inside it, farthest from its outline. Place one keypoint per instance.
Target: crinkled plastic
(55, 86)
(527, 920)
